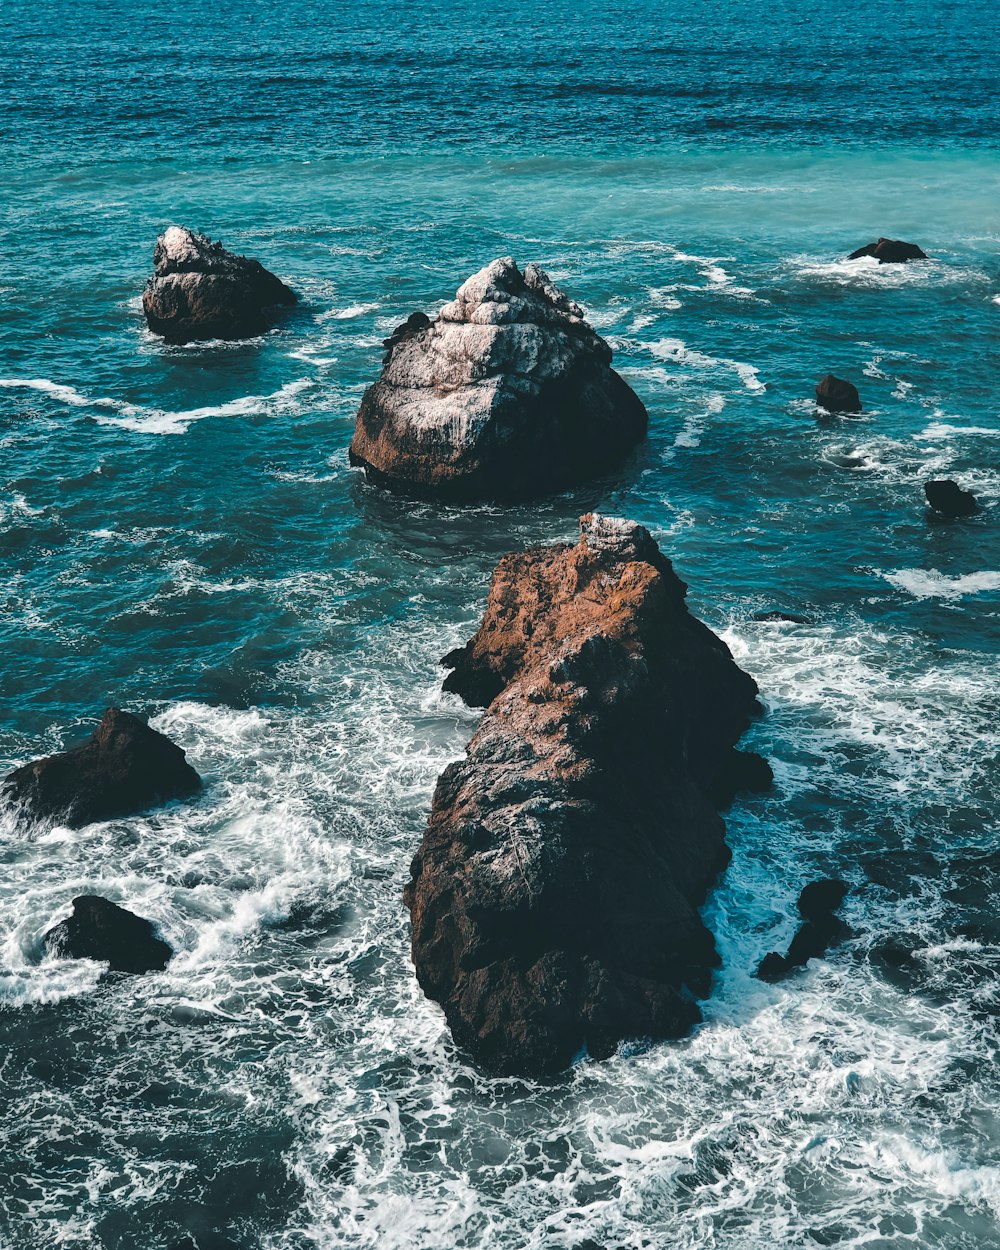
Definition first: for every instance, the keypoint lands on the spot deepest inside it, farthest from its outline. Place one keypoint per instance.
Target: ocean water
(181, 534)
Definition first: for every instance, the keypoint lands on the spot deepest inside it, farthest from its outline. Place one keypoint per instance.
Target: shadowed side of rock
(890, 252)
(123, 768)
(554, 896)
(834, 394)
(200, 291)
(99, 929)
(508, 392)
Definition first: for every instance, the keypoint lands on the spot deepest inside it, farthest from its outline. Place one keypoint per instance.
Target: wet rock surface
(123, 768)
(890, 252)
(834, 394)
(821, 928)
(201, 291)
(554, 897)
(508, 392)
(947, 498)
(99, 929)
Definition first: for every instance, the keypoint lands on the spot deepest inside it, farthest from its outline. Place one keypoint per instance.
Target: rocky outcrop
(890, 252)
(507, 392)
(99, 929)
(835, 395)
(820, 929)
(555, 894)
(947, 498)
(123, 768)
(200, 291)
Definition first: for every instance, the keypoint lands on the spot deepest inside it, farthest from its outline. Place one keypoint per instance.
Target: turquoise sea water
(181, 533)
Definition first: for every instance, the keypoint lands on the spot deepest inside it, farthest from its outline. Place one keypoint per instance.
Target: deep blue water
(180, 533)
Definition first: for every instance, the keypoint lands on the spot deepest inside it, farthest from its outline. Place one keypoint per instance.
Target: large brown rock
(508, 392)
(200, 291)
(123, 768)
(890, 252)
(554, 898)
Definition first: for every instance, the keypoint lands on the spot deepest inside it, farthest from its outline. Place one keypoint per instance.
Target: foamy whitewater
(181, 535)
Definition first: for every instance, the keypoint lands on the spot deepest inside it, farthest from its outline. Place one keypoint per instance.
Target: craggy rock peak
(99, 929)
(947, 498)
(890, 252)
(554, 896)
(200, 291)
(124, 768)
(507, 393)
(836, 395)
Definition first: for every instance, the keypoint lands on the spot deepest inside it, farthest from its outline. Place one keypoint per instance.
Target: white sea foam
(930, 584)
(676, 350)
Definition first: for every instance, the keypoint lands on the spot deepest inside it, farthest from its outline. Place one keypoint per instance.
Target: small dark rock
(835, 395)
(200, 291)
(820, 898)
(414, 322)
(820, 930)
(98, 929)
(124, 768)
(774, 615)
(890, 252)
(948, 498)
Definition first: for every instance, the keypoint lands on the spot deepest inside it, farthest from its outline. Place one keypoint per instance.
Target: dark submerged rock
(792, 618)
(890, 252)
(200, 291)
(835, 395)
(508, 392)
(821, 929)
(554, 898)
(947, 498)
(99, 929)
(123, 768)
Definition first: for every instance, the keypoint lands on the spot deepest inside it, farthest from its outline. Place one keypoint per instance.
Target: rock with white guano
(508, 392)
(201, 291)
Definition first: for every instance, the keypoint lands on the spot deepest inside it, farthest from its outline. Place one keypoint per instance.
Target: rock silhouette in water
(947, 498)
(506, 393)
(200, 291)
(890, 252)
(123, 768)
(99, 929)
(836, 395)
(554, 898)
(821, 928)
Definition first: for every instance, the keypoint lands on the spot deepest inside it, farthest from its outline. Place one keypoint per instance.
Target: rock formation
(555, 895)
(506, 393)
(948, 498)
(820, 929)
(99, 929)
(836, 395)
(890, 252)
(200, 291)
(123, 768)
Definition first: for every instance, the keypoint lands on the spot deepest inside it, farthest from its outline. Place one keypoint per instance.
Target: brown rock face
(554, 896)
(890, 252)
(200, 291)
(836, 395)
(123, 768)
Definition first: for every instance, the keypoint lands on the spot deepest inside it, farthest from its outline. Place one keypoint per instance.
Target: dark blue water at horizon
(180, 533)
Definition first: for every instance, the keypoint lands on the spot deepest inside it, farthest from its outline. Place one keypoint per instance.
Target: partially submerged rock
(836, 395)
(200, 291)
(99, 929)
(555, 894)
(123, 768)
(947, 498)
(506, 393)
(820, 929)
(890, 252)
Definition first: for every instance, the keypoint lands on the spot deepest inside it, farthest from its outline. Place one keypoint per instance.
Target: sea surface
(180, 534)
